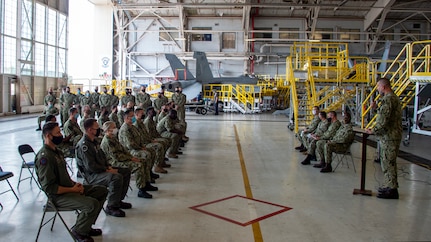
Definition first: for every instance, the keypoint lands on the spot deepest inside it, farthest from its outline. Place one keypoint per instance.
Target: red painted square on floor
(240, 210)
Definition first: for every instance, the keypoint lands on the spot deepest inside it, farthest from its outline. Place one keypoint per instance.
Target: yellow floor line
(257, 233)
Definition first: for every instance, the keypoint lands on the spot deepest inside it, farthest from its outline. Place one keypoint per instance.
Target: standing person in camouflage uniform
(119, 156)
(77, 102)
(50, 97)
(128, 137)
(128, 98)
(71, 127)
(67, 100)
(85, 101)
(158, 103)
(105, 99)
(166, 128)
(95, 102)
(114, 98)
(302, 136)
(151, 126)
(180, 100)
(67, 194)
(341, 141)
(332, 124)
(389, 130)
(143, 99)
(159, 149)
(50, 109)
(310, 142)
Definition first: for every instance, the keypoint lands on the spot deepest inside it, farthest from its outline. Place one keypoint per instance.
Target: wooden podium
(363, 161)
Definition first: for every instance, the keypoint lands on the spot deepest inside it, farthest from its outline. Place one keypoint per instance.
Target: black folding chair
(5, 175)
(51, 207)
(25, 151)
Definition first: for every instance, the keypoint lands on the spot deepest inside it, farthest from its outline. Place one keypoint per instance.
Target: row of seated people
(106, 157)
(325, 135)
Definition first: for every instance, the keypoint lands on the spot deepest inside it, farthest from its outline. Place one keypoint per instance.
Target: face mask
(106, 113)
(112, 92)
(57, 139)
(76, 116)
(68, 91)
(314, 112)
(115, 131)
(143, 90)
(87, 94)
(133, 119)
(79, 92)
(98, 132)
(329, 119)
(50, 93)
(177, 91)
(50, 106)
(105, 92)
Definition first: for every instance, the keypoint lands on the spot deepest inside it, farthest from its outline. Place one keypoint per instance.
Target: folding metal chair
(5, 175)
(340, 156)
(51, 207)
(25, 151)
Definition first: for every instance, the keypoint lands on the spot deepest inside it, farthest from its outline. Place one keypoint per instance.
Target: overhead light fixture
(314, 40)
(250, 40)
(180, 39)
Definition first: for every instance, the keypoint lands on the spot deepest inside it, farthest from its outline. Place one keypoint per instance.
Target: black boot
(391, 193)
(39, 128)
(300, 147)
(149, 187)
(307, 160)
(326, 169)
(303, 149)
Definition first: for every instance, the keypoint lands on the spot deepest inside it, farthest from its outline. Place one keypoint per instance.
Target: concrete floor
(267, 169)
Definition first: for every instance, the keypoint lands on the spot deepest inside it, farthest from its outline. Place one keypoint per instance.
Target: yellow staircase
(413, 62)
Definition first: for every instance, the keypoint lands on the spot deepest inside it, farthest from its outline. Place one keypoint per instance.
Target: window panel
(62, 30)
(40, 23)
(52, 26)
(39, 59)
(263, 35)
(166, 36)
(10, 18)
(229, 40)
(50, 61)
(26, 19)
(294, 34)
(201, 36)
(61, 62)
(9, 55)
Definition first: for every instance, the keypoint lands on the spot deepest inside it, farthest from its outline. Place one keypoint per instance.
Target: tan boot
(165, 165)
(159, 169)
(172, 156)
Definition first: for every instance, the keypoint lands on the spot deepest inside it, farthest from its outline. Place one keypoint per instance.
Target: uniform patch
(84, 148)
(43, 161)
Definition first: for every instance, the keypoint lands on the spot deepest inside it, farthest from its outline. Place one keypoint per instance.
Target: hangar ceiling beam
(375, 12)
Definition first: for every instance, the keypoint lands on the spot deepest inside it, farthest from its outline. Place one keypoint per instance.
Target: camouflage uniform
(320, 130)
(95, 108)
(102, 119)
(157, 104)
(105, 100)
(66, 100)
(180, 100)
(86, 101)
(50, 98)
(114, 118)
(161, 115)
(158, 148)
(341, 141)
(164, 128)
(310, 129)
(49, 110)
(389, 130)
(328, 134)
(118, 156)
(72, 128)
(152, 131)
(143, 100)
(127, 137)
(114, 101)
(127, 98)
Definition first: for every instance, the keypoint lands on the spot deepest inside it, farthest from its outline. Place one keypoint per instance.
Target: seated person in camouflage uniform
(71, 127)
(94, 165)
(67, 194)
(86, 110)
(50, 109)
(302, 136)
(158, 148)
(151, 126)
(120, 114)
(128, 136)
(113, 116)
(166, 128)
(104, 116)
(341, 141)
(119, 156)
(325, 131)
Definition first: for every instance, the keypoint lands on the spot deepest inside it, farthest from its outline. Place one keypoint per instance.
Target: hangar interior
(304, 52)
